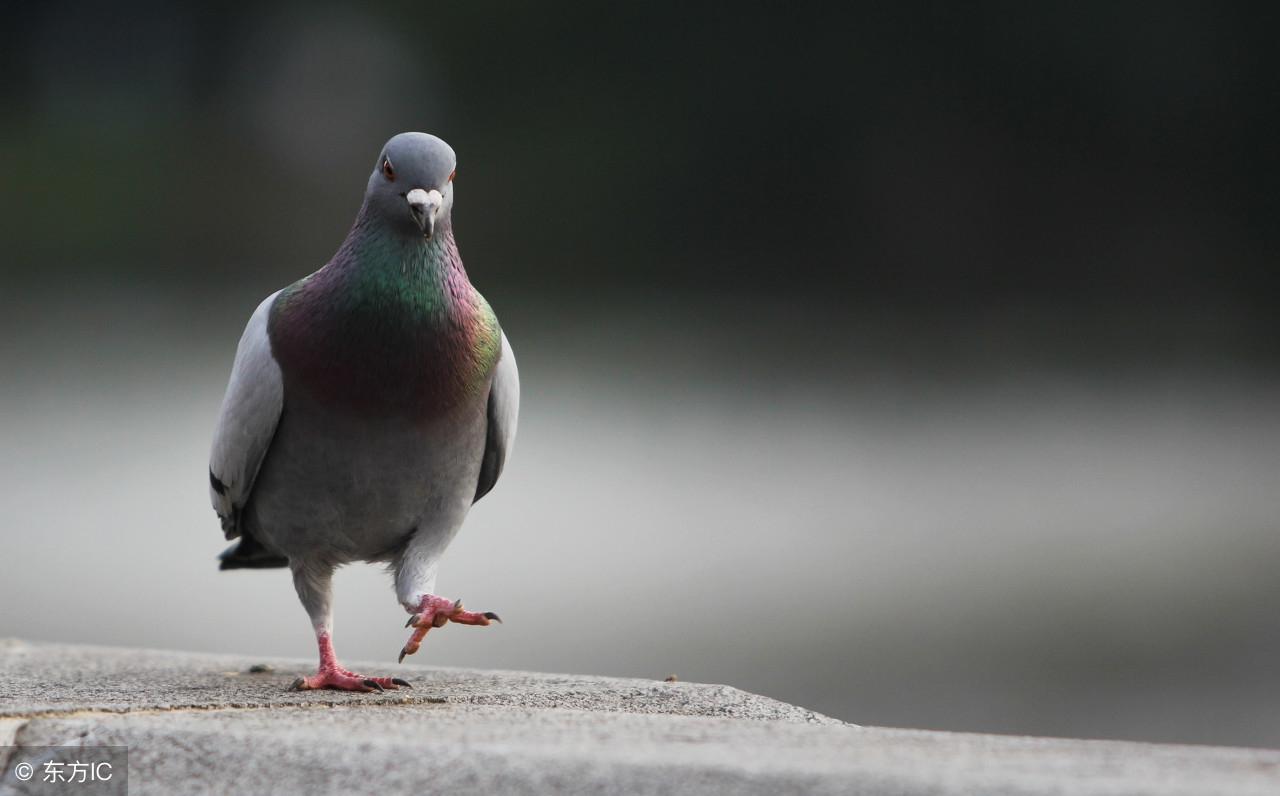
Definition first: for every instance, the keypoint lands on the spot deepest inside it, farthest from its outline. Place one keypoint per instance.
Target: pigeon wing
(250, 411)
(504, 408)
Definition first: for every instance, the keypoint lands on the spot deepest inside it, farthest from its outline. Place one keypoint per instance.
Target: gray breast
(341, 488)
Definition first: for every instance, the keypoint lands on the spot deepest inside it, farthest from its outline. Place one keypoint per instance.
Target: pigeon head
(411, 188)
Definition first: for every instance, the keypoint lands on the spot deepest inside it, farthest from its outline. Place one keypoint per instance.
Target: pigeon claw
(436, 611)
(340, 679)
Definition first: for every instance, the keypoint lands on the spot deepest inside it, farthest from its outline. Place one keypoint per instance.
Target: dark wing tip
(492, 459)
(216, 483)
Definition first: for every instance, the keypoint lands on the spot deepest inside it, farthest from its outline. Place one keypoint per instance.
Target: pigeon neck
(390, 325)
(419, 275)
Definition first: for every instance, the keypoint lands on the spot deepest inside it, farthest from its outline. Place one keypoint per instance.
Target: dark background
(933, 154)
(927, 349)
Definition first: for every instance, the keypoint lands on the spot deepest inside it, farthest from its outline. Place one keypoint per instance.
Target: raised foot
(343, 680)
(435, 611)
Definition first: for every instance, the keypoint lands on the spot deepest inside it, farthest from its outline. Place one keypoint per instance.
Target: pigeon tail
(248, 553)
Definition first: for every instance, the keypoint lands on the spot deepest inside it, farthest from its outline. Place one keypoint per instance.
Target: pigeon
(370, 405)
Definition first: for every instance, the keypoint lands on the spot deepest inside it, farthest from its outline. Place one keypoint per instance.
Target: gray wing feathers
(250, 412)
(504, 409)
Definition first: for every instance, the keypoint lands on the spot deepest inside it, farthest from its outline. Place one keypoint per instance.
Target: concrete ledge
(199, 723)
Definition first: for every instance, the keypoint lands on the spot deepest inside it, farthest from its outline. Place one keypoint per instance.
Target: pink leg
(331, 675)
(435, 611)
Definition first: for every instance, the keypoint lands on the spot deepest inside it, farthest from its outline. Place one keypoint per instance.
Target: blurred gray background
(916, 364)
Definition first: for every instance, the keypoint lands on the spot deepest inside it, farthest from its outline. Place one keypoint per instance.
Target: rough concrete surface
(198, 723)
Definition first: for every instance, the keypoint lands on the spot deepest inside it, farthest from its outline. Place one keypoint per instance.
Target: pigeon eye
(388, 170)
(453, 174)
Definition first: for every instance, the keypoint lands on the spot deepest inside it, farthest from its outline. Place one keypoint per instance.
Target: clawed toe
(437, 612)
(332, 675)
(342, 680)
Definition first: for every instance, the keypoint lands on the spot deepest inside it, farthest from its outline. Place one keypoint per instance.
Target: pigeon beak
(423, 206)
